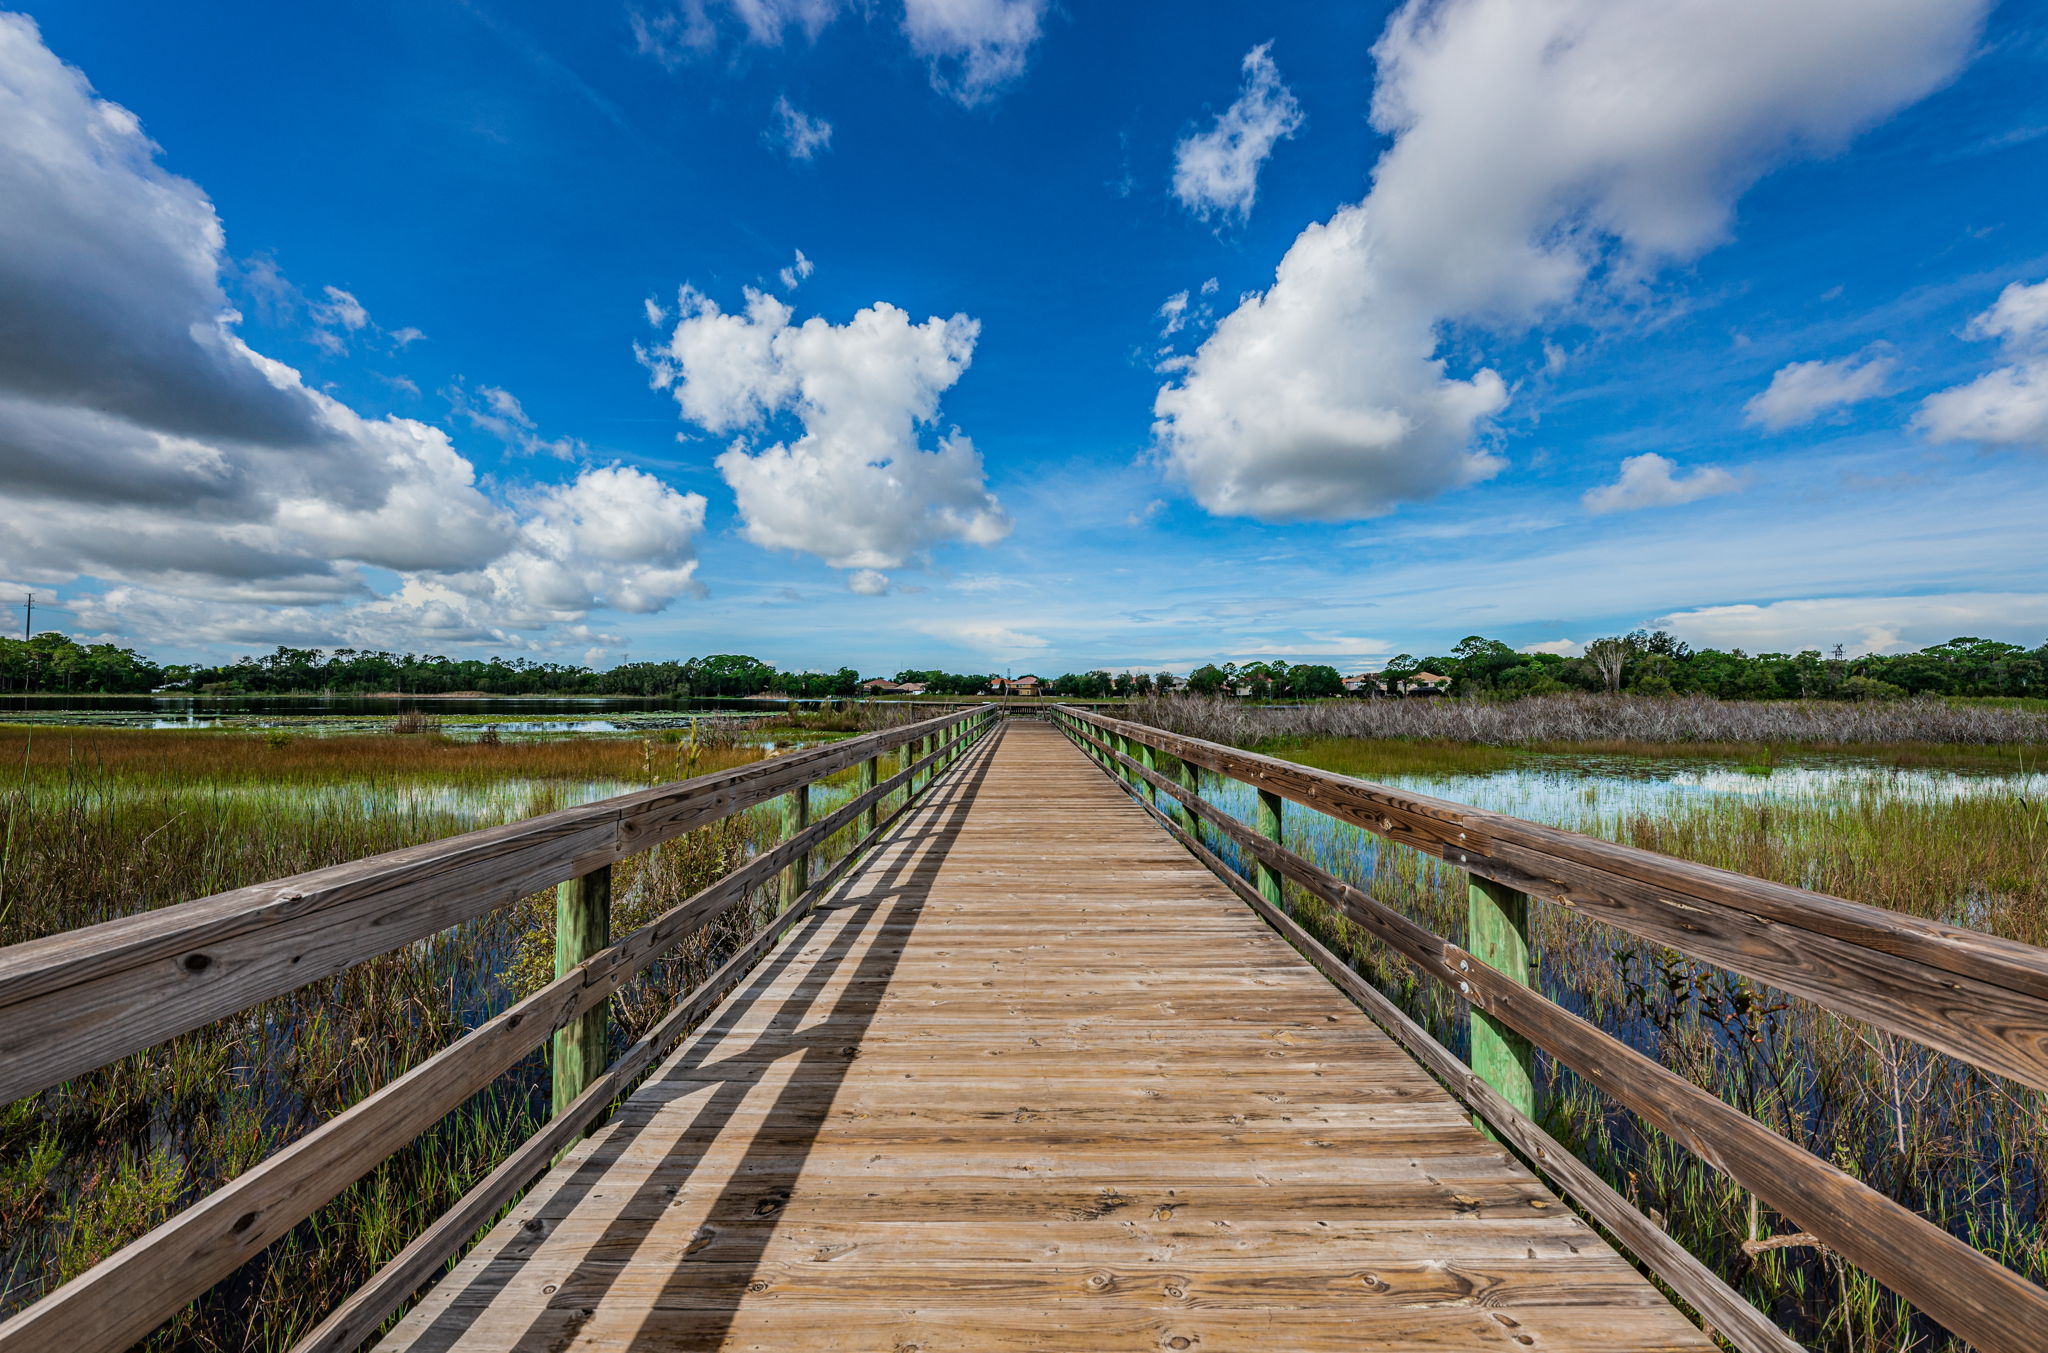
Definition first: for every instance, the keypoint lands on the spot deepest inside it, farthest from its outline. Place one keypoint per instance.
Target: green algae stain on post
(583, 925)
(1266, 822)
(1497, 934)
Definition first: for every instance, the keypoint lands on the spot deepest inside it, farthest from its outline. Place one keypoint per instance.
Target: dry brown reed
(1585, 721)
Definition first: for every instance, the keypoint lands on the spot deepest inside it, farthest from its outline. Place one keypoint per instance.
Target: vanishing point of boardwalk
(1032, 1078)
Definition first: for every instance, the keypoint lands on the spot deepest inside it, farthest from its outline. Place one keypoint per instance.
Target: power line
(28, 611)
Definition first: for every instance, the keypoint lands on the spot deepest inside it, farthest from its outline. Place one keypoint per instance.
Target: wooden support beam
(796, 812)
(870, 770)
(1266, 822)
(1190, 779)
(1497, 933)
(583, 925)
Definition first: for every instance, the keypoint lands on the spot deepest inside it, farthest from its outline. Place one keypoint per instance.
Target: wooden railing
(1965, 993)
(77, 1001)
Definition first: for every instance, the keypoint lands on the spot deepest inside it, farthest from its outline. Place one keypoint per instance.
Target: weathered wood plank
(125, 1296)
(1726, 1310)
(1970, 1293)
(1143, 1119)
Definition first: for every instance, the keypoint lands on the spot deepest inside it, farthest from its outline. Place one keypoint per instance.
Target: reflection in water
(1576, 792)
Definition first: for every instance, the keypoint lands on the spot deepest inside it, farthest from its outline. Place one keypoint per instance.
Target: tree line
(54, 662)
(1645, 662)
(1641, 662)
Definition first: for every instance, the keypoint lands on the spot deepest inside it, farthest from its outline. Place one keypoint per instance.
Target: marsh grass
(1590, 722)
(1965, 1148)
(100, 823)
(1391, 758)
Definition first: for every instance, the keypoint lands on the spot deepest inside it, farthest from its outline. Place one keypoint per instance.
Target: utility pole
(28, 611)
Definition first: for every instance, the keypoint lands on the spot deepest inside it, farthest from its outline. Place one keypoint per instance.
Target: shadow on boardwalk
(859, 952)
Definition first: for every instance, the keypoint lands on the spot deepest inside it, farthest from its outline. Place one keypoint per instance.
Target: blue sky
(481, 327)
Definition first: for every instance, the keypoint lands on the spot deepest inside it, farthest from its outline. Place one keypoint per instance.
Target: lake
(458, 716)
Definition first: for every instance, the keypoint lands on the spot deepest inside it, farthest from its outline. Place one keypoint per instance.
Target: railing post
(583, 925)
(1150, 761)
(796, 817)
(1191, 781)
(1497, 934)
(1266, 822)
(870, 772)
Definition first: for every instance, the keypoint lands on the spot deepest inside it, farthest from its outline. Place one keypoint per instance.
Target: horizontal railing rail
(1972, 995)
(73, 1002)
(1825, 945)
(124, 1297)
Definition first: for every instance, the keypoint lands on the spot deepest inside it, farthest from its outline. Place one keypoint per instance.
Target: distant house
(1415, 683)
(911, 688)
(1023, 685)
(881, 686)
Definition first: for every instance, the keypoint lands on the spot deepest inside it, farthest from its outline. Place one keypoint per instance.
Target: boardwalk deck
(1033, 1079)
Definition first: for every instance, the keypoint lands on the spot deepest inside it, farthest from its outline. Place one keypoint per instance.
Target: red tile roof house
(1023, 685)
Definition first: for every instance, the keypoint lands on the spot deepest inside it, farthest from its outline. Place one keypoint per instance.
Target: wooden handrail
(128, 1294)
(1724, 1308)
(357, 1318)
(73, 1002)
(1977, 1298)
(1975, 996)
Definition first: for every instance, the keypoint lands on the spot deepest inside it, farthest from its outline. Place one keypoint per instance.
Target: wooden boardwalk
(1034, 1079)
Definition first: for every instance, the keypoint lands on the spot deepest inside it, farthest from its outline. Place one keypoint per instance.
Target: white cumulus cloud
(1216, 171)
(1651, 480)
(2007, 405)
(1801, 391)
(855, 487)
(1539, 146)
(144, 444)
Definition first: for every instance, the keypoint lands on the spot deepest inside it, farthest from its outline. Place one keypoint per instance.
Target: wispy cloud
(1216, 171)
(796, 133)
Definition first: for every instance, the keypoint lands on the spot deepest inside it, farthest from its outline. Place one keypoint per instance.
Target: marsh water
(1582, 792)
(456, 715)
